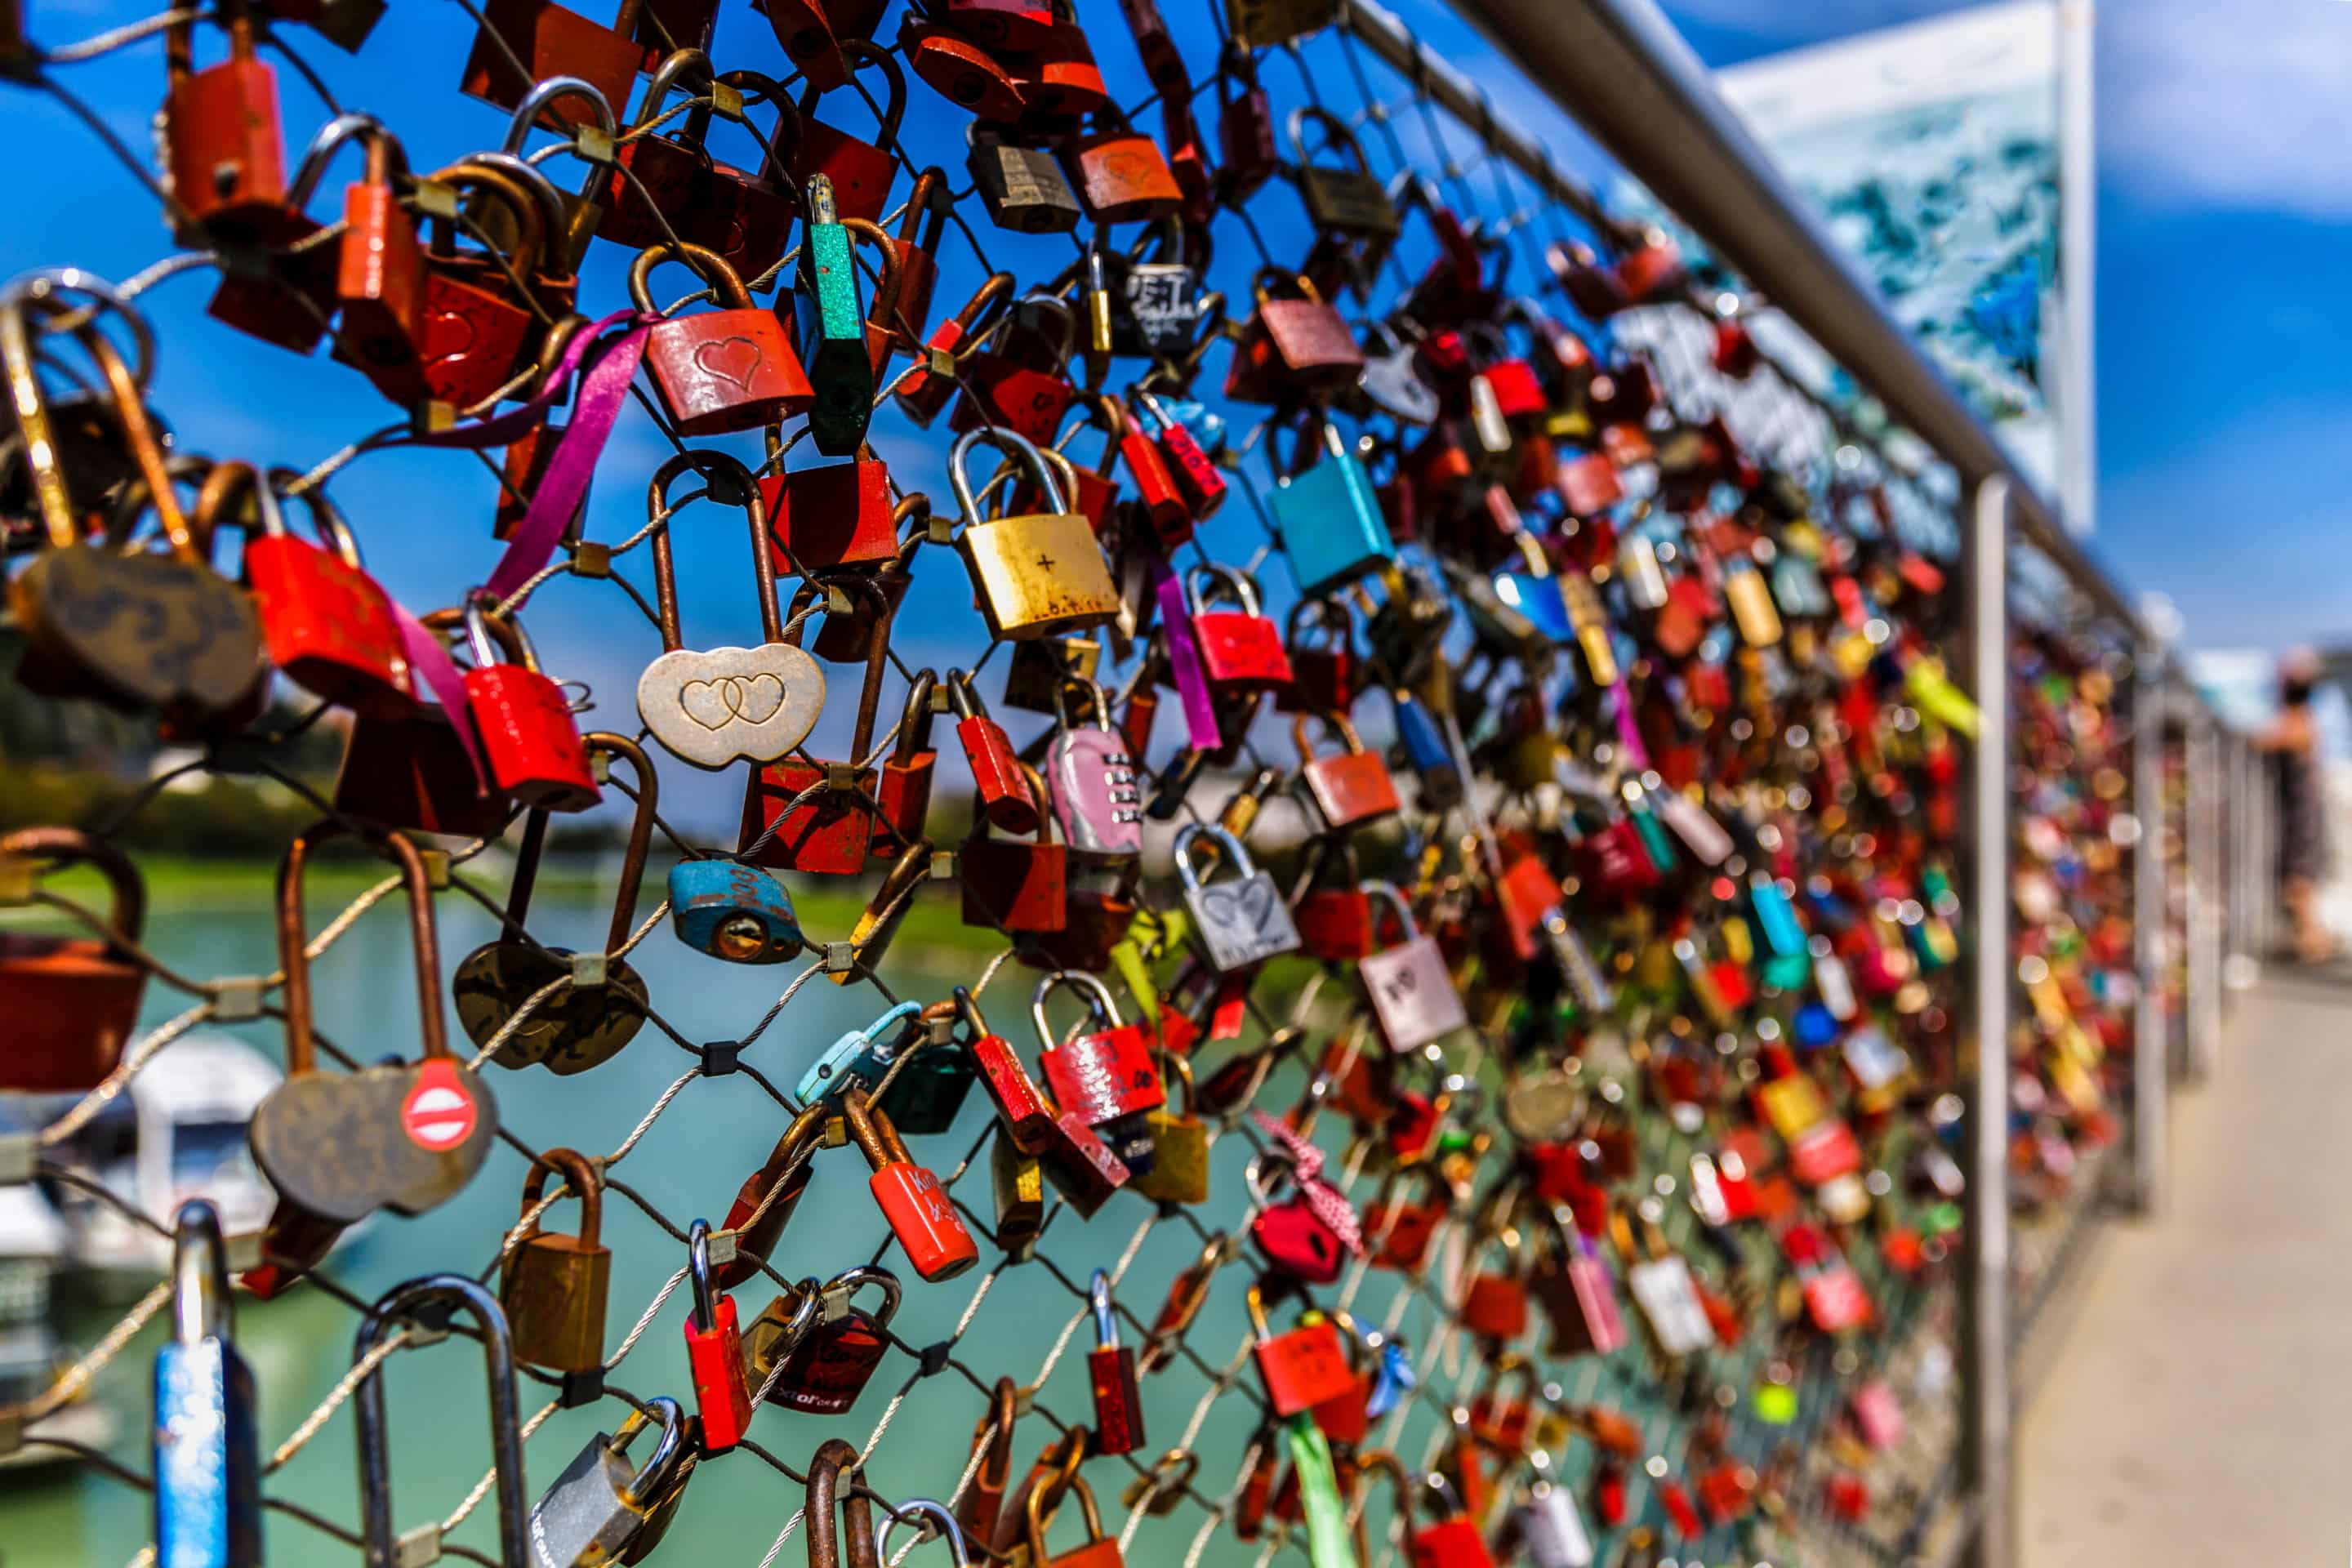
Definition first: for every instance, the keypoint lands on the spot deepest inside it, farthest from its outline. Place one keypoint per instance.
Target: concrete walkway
(2198, 1407)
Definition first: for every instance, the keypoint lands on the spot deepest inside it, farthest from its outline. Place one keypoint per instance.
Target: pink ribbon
(1330, 1206)
(428, 658)
(1185, 663)
(1637, 756)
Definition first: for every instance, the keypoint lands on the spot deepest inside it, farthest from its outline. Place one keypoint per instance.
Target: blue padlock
(1329, 519)
(859, 1056)
(734, 912)
(1426, 748)
(207, 1458)
(1781, 933)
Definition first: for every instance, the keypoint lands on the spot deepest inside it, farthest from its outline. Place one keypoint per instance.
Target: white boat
(181, 1136)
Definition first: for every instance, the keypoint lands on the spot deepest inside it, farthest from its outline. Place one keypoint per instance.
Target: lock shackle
(127, 913)
(861, 53)
(59, 517)
(1233, 854)
(654, 1476)
(200, 1304)
(528, 192)
(1328, 613)
(1264, 281)
(327, 519)
(1394, 896)
(725, 283)
(302, 1048)
(968, 1007)
(697, 1276)
(915, 720)
(1105, 1315)
(849, 1281)
(1041, 1509)
(939, 1514)
(1318, 438)
(726, 479)
(1400, 1480)
(1335, 135)
(871, 1130)
(1176, 1062)
(549, 91)
(490, 634)
(430, 1298)
(329, 139)
(927, 204)
(641, 831)
(1099, 1002)
(43, 286)
(1018, 449)
(579, 1174)
(826, 1508)
(963, 698)
(780, 155)
(1236, 583)
(1062, 700)
(1335, 722)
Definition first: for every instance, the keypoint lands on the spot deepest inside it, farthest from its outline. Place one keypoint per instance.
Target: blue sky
(2223, 194)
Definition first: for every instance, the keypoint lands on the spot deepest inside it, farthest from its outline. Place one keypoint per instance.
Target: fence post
(2151, 1047)
(1986, 1441)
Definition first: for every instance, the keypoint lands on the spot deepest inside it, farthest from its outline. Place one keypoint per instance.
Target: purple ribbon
(1337, 1215)
(1637, 756)
(1185, 663)
(428, 658)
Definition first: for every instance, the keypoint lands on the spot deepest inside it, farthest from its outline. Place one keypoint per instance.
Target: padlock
(1292, 1234)
(1240, 650)
(1091, 775)
(734, 912)
(1105, 1078)
(1453, 1539)
(599, 1510)
(807, 31)
(901, 317)
(1179, 1168)
(1242, 920)
(477, 332)
(1303, 1368)
(999, 783)
(1018, 25)
(603, 1000)
(1119, 173)
(725, 370)
(1551, 1528)
(329, 627)
(1662, 1287)
(434, 1298)
(1156, 304)
(1013, 886)
(553, 1286)
(661, 186)
(1264, 23)
(531, 743)
(1577, 1297)
(928, 1093)
(1349, 200)
(520, 43)
(859, 1057)
(1023, 188)
(1347, 790)
(827, 1347)
(1399, 1232)
(714, 1352)
(1020, 383)
(1110, 1369)
(1059, 80)
(1335, 924)
(904, 790)
(909, 1195)
(379, 277)
(766, 1201)
(831, 833)
(1197, 479)
(72, 1001)
(842, 367)
(223, 157)
(1246, 134)
(1411, 992)
(961, 69)
(1328, 517)
(207, 1462)
(1494, 1302)
(1100, 1551)
(1296, 345)
(860, 172)
(1036, 575)
(923, 393)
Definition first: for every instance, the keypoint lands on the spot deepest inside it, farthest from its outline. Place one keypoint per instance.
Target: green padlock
(832, 319)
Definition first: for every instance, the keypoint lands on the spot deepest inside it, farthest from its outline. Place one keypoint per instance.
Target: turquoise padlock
(1329, 519)
(734, 912)
(832, 321)
(1781, 932)
(859, 1056)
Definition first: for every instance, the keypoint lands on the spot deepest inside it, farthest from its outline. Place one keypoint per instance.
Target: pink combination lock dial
(1091, 774)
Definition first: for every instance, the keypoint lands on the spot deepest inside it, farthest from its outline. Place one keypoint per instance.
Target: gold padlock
(1180, 1145)
(1752, 610)
(1039, 575)
(553, 1286)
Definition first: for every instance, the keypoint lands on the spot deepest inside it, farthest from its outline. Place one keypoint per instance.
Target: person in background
(2292, 744)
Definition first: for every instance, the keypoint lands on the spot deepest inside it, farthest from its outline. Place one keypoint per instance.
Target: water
(690, 1161)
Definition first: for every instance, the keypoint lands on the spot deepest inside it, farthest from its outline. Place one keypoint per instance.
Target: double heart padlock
(1241, 918)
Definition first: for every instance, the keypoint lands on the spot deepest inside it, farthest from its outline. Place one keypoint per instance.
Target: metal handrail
(1622, 71)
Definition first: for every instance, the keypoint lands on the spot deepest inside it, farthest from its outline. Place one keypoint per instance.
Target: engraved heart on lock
(749, 702)
(715, 704)
(732, 360)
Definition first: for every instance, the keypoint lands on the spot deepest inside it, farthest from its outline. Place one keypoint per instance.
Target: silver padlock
(1242, 921)
(1411, 993)
(1549, 1525)
(1390, 383)
(598, 1510)
(1090, 773)
(1585, 981)
(1662, 1287)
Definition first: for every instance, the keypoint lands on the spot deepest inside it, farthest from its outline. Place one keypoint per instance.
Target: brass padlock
(553, 1286)
(1036, 575)
(1179, 1173)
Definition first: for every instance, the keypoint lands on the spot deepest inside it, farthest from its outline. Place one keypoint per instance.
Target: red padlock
(1293, 1236)
(1494, 1305)
(531, 742)
(922, 394)
(1120, 174)
(902, 312)
(714, 1352)
(861, 171)
(1011, 884)
(1351, 789)
(1027, 399)
(758, 1221)
(1110, 1369)
(1021, 1107)
(1453, 1540)
(826, 1366)
(1059, 76)
(1241, 648)
(905, 791)
(965, 73)
(998, 778)
(223, 158)
(721, 371)
(840, 514)
(1335, 924)
(805, 30)
(1105, 1077)
(1324, 670)
(330, 628)
(909, 1195)
(1244, 127)
(1302, 1368)
(832, 835)
(1018, 25)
